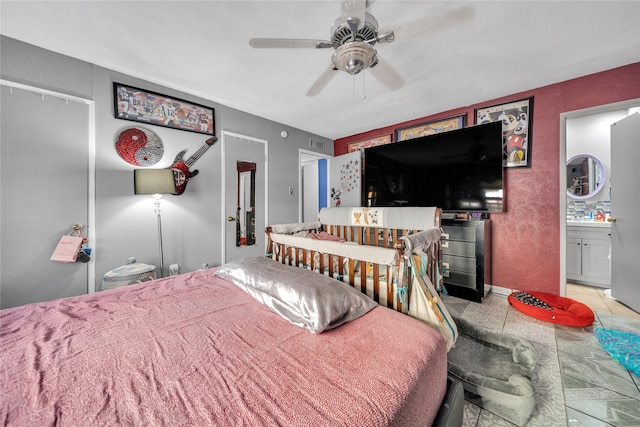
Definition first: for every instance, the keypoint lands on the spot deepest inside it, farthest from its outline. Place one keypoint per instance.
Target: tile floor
(595, 298)
(577, 383)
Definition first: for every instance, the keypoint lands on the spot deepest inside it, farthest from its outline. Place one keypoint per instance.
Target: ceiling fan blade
(354, 9)
(322, 81)
(289, 43)
(387, 75)
(434, 23)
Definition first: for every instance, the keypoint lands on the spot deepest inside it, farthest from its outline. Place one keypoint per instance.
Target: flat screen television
(457, 171)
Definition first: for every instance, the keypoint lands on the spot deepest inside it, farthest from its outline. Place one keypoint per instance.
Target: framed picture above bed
(516, 117)
(430, 128)
(143, 106)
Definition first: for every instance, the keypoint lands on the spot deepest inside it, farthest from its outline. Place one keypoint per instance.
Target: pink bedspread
(195, 350)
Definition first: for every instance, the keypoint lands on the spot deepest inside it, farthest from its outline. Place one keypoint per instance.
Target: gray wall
(125, 224)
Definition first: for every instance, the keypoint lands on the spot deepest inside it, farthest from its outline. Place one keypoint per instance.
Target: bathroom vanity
(588, 241)
(588, 252)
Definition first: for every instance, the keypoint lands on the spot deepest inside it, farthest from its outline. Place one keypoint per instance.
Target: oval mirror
(586, 176)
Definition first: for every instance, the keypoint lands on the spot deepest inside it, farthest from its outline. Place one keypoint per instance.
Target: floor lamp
(155, 182)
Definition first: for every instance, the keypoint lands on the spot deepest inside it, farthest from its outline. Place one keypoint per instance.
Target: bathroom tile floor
(596, 299)
(577, 383)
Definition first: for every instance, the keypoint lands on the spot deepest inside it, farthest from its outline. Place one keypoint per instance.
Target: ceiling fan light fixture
(346, 30)
(354, 57)
(355, 33)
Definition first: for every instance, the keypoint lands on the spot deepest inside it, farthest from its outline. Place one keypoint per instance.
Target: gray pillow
(306, 299)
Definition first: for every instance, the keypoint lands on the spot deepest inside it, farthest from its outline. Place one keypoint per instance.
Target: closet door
(44, 145)
(239, 200)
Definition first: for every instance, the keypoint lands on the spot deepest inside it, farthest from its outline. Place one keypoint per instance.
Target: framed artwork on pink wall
(430, 128)
(366, 143)
(516, 117)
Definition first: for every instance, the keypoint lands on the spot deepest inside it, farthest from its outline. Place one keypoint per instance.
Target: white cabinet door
(588, 255)
(574, 258)
(595, 261)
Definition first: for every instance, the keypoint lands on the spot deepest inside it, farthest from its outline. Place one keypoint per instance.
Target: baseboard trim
(499, 290)
(607, 293)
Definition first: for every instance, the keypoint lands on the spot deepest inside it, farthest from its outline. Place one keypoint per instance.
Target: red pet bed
(552, 308)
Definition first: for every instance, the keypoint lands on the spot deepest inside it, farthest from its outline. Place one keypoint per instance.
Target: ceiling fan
(354, 35)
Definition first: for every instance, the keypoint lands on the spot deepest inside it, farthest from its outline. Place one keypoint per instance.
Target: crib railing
(388, 284)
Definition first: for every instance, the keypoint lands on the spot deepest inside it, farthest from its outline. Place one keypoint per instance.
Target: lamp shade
(154, 181)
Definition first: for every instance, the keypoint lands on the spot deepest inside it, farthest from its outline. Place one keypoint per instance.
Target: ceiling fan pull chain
(364, 87)
(353, 89)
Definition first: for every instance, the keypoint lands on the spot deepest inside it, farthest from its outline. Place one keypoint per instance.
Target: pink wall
(526, 241)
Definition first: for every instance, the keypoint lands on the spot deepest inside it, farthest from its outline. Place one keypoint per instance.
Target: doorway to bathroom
(587, 133)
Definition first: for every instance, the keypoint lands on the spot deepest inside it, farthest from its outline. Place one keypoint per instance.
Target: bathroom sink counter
(604, 224)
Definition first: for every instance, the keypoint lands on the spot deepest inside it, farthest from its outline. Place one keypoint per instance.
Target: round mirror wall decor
(586, 176)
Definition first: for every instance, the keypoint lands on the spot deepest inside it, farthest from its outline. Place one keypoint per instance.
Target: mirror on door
(246, 208)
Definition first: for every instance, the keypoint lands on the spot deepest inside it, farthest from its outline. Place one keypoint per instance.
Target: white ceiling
(201, 48)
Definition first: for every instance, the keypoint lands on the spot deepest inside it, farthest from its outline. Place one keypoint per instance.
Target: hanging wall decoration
(152, 108)
(139, 147)
(516, 118)
(181, 167)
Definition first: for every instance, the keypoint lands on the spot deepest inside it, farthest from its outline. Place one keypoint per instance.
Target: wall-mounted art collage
(153, 108)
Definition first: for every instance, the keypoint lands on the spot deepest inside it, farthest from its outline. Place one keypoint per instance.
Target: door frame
(223, 186)
(305, 156)
(563, 174)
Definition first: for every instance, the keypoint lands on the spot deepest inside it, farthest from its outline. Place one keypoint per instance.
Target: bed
(210, 348)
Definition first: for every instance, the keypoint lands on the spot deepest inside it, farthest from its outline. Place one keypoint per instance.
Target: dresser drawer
(467, 249)
(467, 280)
(456, 263)
(466, 234)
